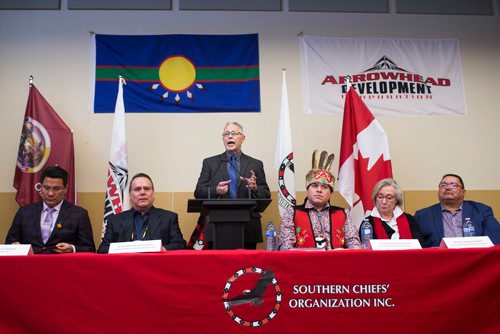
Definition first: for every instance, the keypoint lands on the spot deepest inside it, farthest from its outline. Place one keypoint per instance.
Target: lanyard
(143, 234)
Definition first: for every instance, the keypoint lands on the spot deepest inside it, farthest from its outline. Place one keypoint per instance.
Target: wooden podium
(228, 217)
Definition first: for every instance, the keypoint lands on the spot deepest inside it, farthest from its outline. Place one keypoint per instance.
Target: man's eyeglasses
(54, 189)
(452, 185)
(231, 133)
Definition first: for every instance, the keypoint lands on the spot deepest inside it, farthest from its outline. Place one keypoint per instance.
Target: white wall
(54, 46)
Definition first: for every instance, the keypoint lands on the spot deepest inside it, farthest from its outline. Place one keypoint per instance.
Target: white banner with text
(393, 76)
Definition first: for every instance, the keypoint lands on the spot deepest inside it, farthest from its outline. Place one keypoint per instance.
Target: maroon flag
(45, 141)
(364, 156)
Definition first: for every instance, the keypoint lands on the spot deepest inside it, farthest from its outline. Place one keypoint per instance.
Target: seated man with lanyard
(143, 221)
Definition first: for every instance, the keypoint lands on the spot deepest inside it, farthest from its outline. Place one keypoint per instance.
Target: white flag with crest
(117, 199)
(283, 157)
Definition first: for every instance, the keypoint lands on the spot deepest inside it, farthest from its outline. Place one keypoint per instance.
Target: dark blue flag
(178, 73)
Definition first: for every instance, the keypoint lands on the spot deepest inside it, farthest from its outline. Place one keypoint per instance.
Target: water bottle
(366, 233)
(468, 227)
(270, 237)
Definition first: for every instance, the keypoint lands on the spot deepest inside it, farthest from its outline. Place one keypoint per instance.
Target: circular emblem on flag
(285, 176)
(34, 146)
(177, 75)
(252, 296)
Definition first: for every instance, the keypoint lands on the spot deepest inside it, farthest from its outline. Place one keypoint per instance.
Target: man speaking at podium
(231, 174)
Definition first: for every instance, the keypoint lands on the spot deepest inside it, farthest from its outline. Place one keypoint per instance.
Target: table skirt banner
(412, 291)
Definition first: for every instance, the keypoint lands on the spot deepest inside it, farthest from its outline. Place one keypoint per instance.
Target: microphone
(224, 159)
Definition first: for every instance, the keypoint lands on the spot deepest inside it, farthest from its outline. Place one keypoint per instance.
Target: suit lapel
(153, 222)
(223, 167)
(466, 211)
(438, 220)
(61, 218)
(127, 225)
(37, 218)
(244, 165)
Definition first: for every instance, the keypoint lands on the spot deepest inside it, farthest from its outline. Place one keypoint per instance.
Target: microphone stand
(213, 175)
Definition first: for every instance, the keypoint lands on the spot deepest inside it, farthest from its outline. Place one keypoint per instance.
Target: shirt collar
(57, 208)
(237, 155)
(309, 205)
(444, 209)
(396, 212)
(136, 212)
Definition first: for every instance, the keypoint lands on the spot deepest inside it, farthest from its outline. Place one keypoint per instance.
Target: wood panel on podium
(229, 217)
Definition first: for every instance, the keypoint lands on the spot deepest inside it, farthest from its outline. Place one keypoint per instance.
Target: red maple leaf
(365, 179)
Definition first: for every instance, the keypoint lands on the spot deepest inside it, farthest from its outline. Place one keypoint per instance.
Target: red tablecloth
(425, 291)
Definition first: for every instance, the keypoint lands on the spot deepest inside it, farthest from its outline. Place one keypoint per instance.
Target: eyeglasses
(452, 185)
(54, 189)
(381, 197)
(231, 133)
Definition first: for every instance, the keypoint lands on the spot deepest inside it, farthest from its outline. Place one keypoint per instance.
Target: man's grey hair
(235, 123)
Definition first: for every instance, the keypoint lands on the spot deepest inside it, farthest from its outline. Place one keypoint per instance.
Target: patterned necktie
(232, 177)
(47, 224)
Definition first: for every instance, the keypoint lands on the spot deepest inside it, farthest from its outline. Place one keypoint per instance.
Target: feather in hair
(315, 159)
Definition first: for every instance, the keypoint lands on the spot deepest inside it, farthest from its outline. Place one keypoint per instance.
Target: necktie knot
(48, 216)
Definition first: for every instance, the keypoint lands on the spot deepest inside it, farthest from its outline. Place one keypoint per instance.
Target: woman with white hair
(387, 218)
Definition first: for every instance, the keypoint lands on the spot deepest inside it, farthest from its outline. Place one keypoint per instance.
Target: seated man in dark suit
(53, 225)
(446, 219)
(231, 174)
(143, 221)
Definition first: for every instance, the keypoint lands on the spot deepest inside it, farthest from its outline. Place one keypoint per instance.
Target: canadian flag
(364, 156)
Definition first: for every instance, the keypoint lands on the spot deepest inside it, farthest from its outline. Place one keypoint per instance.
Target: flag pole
(347, 82)
(116, 199)
(122, 79)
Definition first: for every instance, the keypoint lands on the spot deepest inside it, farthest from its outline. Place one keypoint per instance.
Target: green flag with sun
(178, 73)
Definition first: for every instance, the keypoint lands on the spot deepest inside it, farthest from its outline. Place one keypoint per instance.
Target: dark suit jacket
(162, 224)
(416, 233)
(74, 222)
(215, 170)
(481, 215)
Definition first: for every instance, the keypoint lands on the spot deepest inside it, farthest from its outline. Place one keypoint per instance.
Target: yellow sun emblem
(177, 74)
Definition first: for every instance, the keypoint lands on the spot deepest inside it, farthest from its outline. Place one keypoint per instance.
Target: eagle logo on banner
(252, 293)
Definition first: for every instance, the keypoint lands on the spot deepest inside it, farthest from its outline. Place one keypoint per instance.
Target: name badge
(17, 249)
(389, 244)
(142, 246)
(469, 242)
